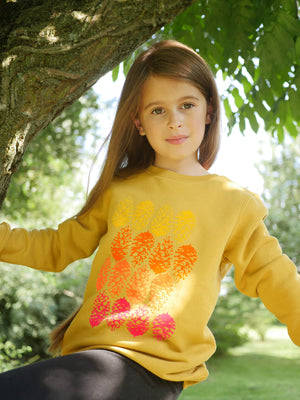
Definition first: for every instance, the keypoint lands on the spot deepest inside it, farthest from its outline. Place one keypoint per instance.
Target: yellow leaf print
(162, 223)
(123, 213)
(184, 224)
(143, 214)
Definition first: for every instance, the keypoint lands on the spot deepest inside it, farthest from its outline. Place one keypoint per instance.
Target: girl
(167, 232)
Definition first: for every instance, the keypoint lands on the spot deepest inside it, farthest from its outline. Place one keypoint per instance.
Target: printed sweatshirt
(164, 243)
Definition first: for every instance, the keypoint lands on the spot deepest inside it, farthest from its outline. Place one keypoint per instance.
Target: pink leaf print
(139, 321)
(101, 309)
(120, 311)
(163, 326)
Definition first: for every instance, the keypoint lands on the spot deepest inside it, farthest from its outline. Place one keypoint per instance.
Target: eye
(157, 111)
(187, 106)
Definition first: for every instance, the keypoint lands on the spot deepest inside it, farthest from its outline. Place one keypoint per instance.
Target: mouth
(177, 139)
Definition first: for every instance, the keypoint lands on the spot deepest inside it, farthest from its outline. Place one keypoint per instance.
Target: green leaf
(239, 101)
(115, 73)
(252, 119)
(297, 47)
(227, 108)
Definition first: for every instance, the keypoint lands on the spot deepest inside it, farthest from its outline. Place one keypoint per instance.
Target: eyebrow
(155, 103)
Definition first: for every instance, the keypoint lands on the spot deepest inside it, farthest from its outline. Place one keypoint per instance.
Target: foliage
(228, 319)
(282, 194)
(31, 304)
(256, 45)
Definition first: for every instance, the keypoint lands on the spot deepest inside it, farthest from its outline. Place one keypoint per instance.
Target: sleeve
(261, 270)
(54, 249)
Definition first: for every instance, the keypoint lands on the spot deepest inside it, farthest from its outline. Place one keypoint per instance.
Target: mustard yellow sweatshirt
(164, 242)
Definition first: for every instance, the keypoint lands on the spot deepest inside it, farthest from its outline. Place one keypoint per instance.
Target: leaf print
(138, 323)
(162, 222)
(161, 258)
(184, 224)
(139, 285)
(141, 247)
(121, 243)
(103, 274)
(118, 278)
(143, 214)
(120, 311)
(123, 213)
(101, 309)
(161, 290)
(184, 260)
(163, 326)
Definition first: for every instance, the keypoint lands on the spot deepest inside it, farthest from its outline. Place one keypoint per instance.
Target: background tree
(281, 173)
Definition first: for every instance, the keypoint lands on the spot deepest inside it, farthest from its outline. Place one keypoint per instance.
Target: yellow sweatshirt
(165, 241)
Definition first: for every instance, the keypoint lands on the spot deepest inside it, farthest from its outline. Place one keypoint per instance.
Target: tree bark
(53, 51)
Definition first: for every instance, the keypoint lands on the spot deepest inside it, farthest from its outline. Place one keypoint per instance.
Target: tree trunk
(53, 51)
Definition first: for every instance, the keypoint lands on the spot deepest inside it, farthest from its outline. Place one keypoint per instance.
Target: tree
(49, 177)
(52, 52)
(282, 195)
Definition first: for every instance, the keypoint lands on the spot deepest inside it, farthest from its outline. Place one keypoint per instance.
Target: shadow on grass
(249, 377)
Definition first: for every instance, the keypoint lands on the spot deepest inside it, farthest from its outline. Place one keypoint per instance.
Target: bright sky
(238, 154)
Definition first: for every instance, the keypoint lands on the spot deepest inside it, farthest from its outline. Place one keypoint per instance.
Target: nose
(175, 121)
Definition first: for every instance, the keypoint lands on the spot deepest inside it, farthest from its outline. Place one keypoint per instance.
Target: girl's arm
(261, 270)
(54, 249)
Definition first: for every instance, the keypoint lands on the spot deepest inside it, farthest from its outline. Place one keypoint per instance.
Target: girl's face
(172, 115)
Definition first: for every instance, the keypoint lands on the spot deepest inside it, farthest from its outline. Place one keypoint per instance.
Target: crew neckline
(166, 173)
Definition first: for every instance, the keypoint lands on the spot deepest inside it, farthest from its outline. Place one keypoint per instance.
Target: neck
(193, 169)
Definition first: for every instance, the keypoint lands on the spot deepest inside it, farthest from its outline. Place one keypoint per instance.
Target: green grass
(267, 370)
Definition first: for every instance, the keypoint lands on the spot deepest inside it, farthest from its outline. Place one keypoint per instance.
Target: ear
(209, 111)
(139, 127)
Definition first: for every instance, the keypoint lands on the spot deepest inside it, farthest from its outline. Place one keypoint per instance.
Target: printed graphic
(150, 255)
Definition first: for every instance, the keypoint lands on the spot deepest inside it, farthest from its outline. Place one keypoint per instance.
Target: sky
(238, 154)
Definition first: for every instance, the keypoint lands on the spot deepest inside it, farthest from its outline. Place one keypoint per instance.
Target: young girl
(166, 233)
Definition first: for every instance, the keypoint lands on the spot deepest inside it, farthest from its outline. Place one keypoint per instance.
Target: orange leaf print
(121, 243)
(162, 287)
(103, 274)
(161, 258)
(119, 275)
(184, 260)
(138, 288)
(141, 246)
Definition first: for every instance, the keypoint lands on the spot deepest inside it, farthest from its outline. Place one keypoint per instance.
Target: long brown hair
(128, 151)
